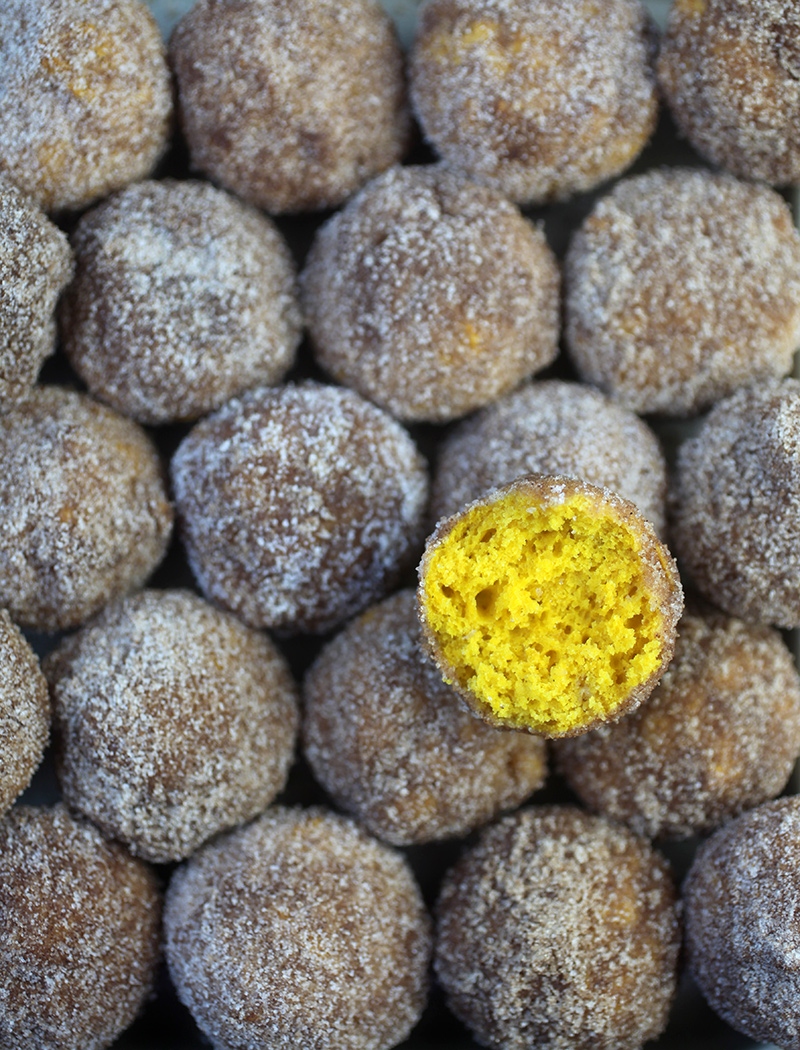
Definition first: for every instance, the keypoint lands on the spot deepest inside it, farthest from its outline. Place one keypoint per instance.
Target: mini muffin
(736, 504)
(390, 743)
(719, 734)
(300, 506)
(551, 427)
(299, 930)
(741, 899)
(174, 722)
(35, 267)
(292, 106)
(183, 298)
(682, 286)
(86, 97)
(730, 73)
(81, 941)
(549, 605)
(84, 512)
(559, 930)
(24, 713)
(431, 295)
(540, 99)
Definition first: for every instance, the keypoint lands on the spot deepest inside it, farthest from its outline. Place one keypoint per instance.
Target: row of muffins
(428, 294)
(261, 471)
(294, 108)
(186, 747)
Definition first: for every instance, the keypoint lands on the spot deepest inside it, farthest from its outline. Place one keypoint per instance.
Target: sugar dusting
(551, 427)
(299, 930)
(730, 72)
(719, 734)
(183, 298)
(35, 266)
(300, 506)
(742, 936)
(682, 286)
(389, 740)
(81, 933)
(174, 721)
(736, 504)
(539, 98)
(85, 95)
(24, 712)
(85, 513)
(293, 104)
(431, 295)
(559, 930)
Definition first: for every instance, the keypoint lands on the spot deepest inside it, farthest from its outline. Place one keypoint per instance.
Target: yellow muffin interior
(543, 612)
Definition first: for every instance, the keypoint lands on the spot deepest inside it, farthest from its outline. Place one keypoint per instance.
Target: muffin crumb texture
(550, 605)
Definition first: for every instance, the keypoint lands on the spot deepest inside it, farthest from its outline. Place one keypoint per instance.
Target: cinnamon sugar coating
(81, 942)
(299, 930)
(551, 427)
(24, 713)
(736, 504)
(540, 99)
(719, 734)
(292, 104)
(85, 515)
(35, 266)
(300, 506)
(558, 930)
(390, 743)
(741, 900)
(86, 97)
(730, 73)
(174, 722)
(682, 286)
(431, 295)
(183, 298)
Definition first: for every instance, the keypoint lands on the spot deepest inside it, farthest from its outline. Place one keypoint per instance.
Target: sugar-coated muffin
(84, 514)
(719, 734)
(24, 713)
(549, 604)
(391, 744)
(292, 106)
(741, 900)
(736, 504)
(558, 930)
(551, 427)
(539, 98)
(183, 297)
(299, 930)
(730, 74)
(86, 97)
(682, 286)
(35, 267)
(300, 506)
(81, 921)
(174, 722)
(431, 295)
